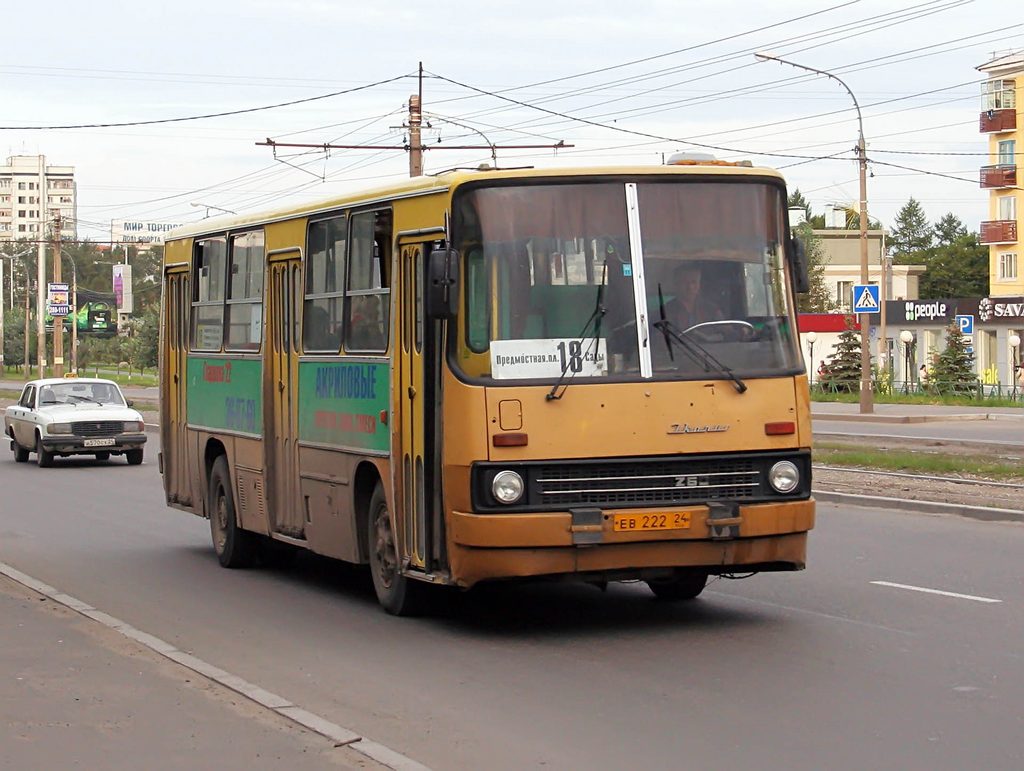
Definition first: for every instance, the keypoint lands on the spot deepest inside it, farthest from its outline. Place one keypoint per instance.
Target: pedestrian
(923, 375)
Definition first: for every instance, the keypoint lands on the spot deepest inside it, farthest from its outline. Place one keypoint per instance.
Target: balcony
(998, 120)
(999, 232)
(1000, 175)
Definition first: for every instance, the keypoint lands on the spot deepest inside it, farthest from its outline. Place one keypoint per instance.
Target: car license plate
(679, 520)
(97, 442)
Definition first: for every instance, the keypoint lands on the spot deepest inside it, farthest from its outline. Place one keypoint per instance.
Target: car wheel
(685, 585)
(44, 458)
(235, 547)
(134, 457)
(20, 453)
(103, 456)
(397, 594)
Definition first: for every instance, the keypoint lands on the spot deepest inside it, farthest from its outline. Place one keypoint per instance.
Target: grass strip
(937, 464)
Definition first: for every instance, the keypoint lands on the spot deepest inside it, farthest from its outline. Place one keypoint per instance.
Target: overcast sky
(623, 82)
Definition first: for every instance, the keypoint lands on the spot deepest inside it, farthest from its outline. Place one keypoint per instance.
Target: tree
(817, 299)
(842, 370)
(956, 269)
(911, 233)
(14, 337)
(953, 370)
(949, 229)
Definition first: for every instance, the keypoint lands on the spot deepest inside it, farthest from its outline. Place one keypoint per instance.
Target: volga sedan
(74, 416)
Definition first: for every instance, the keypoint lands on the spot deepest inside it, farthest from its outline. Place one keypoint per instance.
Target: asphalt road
(1006, 434)
(820, 669)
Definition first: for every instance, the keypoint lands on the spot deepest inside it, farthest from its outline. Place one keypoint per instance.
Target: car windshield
(80, 393)
(553, 274)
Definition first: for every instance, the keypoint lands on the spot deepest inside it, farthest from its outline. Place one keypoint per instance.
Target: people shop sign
(987, 310)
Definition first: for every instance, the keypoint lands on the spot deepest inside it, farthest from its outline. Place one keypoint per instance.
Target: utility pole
(415, 146)
(3, 366)
(415, 122)
(41, 273)
(58, 321)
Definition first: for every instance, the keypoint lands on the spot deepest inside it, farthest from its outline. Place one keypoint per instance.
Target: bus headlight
(507, 487)
(784, 477)
(59, 428)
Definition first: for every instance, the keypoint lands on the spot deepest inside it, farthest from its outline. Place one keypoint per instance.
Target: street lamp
(907, 338)
(867, 397)
(811, 337)
(209, 206)
(1014, 341)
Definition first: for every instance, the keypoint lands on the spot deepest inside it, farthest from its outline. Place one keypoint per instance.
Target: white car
(74, 416)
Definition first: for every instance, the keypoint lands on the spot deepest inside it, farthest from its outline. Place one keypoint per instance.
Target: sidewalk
(912, 413)
(75, 693)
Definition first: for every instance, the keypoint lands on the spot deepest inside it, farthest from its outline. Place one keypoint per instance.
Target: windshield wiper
(697, 352)
(84, 399)
(595, 318)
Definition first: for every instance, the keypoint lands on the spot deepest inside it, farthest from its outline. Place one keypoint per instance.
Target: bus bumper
(762, 537)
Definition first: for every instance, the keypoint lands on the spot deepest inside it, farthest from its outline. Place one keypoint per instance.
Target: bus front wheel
(235, 547)
(397, 594)
(684, 585)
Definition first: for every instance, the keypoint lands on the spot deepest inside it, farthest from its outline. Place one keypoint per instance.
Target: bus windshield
(560, 276)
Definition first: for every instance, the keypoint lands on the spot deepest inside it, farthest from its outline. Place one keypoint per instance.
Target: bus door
(174, 415)
(419, 494)
(281, 387)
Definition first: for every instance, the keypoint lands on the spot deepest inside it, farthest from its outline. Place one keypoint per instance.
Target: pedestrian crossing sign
(865, 298)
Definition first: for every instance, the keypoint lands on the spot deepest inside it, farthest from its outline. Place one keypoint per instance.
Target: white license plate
(97, 442)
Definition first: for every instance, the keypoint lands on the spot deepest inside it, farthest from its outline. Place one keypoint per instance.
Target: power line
(209, 115)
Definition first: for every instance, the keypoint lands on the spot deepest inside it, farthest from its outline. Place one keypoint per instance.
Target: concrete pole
(2, 364)
(867, 396)
(41, 274)
(58, 321)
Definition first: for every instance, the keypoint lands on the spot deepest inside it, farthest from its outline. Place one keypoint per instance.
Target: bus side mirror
(798, 264)
(442, 291)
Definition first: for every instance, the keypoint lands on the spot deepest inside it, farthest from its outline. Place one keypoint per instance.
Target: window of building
(245, 292)
(997, 95)
(33, 228)
(21, 212)
(323, 307)
(1007, 207)
(31, 185)
(22, 199)
(368, 293)
(21, 186)
(208, 294)
(21, 228)
(5, 212)
(844, 294)
(1007, 266)
(1006, 156)
(5, 183)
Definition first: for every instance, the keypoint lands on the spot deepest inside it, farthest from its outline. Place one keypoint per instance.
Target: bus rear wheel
(235, 547)
(397, 594)
(684, 585)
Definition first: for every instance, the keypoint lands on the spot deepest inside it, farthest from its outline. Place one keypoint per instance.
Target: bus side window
(368, 291)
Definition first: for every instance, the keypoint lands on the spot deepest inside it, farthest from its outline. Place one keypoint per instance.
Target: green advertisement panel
(341, 404)
(226, 394)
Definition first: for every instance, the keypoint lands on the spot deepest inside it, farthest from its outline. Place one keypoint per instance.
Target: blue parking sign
(865, 298)
(966, 324)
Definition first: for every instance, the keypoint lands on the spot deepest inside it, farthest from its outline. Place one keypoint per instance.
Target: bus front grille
(669, 483)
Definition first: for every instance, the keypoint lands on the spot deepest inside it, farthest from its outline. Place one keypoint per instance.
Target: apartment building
(32, 195)
(1000, 95)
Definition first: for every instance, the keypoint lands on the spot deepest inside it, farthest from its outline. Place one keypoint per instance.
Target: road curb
(982, 513)
(340, 735)
(904, 418)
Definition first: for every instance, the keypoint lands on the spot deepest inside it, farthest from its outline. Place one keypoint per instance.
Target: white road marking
(338, 734)
(935, 591)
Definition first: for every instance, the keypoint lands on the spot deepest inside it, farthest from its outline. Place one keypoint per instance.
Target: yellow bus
(497, 374)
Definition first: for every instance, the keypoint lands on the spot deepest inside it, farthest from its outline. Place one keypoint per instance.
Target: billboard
(139, 231)
(123, 288)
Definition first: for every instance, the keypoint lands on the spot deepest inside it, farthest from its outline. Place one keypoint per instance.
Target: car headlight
(59, 428)
(133, 426)
(784, 476)
(507, 486)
